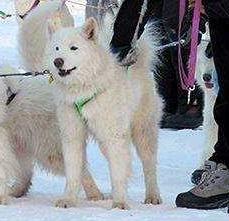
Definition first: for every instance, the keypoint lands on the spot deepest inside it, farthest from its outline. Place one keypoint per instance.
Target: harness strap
(10, 96)
(80, 104)
(3, 15)
(35, 4)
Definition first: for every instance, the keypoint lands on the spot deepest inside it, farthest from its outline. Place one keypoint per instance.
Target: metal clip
(190, 90)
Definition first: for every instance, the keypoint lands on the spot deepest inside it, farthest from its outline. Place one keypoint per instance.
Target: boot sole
(210, 206)
(195, 203)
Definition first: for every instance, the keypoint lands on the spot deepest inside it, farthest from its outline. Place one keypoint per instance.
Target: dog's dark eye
(57, 48)
(74, 48)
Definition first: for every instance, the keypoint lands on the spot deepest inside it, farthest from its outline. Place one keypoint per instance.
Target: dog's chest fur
(108, 108)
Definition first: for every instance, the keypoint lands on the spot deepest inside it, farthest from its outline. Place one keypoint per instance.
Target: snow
(179, 154)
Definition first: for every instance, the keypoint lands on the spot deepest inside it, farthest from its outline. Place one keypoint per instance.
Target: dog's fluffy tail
(147, 53)
(145, 69)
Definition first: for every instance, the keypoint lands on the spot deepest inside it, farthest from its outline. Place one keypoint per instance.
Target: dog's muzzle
(208, 81)
(64, 73)
(59, 63)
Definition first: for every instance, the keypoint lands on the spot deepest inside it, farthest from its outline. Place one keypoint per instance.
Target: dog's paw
(4, 200)
(122, 206)
(96, 197)
(66, 203)
(155, 200)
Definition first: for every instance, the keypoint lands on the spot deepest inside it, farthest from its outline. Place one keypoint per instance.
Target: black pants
(218, 12)
(165, 12)
(126, 23)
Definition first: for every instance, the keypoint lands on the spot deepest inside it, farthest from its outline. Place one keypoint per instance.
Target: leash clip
(190, 90)
(51, 78)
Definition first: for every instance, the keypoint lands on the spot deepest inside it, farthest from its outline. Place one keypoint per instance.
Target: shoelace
(209, 178)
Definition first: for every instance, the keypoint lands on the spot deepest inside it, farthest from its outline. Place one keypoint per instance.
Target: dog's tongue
(24, 6)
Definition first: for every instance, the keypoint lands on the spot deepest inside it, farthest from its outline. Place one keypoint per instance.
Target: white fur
(126, 108)
(206, 65)
(29, 132)
(33, 32)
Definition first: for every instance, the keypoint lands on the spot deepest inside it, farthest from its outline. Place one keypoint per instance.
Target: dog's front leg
(73, 142)
(120, 167)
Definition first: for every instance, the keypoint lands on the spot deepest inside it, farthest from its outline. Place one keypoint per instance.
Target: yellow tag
(51, 79)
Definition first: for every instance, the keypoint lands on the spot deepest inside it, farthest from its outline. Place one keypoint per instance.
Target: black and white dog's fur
(207, 79)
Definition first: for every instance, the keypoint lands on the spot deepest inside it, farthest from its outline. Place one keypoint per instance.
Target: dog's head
(209, 80)
(207, 76)
(73, 53)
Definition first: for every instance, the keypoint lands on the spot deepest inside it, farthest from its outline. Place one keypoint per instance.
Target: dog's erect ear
(90, 29)
(54, 23)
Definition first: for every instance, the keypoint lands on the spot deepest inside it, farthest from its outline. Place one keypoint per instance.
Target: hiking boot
(211, 193)
(181, 121)
(188, 116)
(208, 167)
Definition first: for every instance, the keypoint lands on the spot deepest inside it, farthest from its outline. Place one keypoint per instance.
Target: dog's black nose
(207, 77)
(59, 62)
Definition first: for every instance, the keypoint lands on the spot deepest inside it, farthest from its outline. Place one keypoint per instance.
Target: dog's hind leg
(14, 182)
(144, 136)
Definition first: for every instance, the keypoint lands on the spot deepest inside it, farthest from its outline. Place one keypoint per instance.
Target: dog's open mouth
(64, 73)
(209, 85)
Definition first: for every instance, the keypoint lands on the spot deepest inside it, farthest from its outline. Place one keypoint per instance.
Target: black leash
(26, 74)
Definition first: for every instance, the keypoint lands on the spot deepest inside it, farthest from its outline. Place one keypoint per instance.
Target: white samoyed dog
(28, 124)
(30, 135)
(96, 96)
(207, 79)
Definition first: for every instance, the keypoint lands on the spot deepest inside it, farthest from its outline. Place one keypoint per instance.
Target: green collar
(80, 104)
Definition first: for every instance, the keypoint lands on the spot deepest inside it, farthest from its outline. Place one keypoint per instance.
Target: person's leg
(186, 115)
(166, 73)
(213, 190)
(126, 23)
(167, 83)
(219, 22)
(220, 47)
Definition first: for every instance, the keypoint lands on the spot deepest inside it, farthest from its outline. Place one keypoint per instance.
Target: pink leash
(188, 80)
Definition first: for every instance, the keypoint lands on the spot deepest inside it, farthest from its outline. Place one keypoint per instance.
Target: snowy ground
(178, 156)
